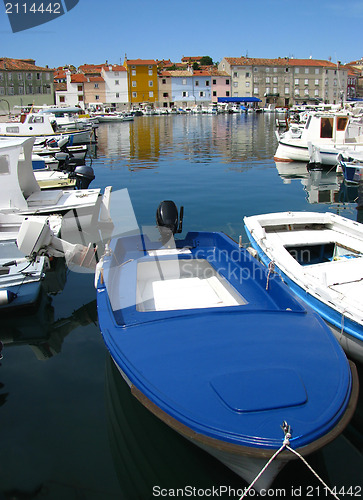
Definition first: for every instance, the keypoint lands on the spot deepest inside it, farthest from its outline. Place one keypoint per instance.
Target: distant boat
(351, 165)
(218, 351)
(320, 256)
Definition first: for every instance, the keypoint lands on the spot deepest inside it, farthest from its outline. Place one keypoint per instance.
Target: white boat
(20, 193)
(20, 276)
(110, 117)
(330, 132)
(40, 126)
(320, 256)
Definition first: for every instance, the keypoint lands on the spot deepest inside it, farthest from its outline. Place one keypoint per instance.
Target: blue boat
(221, 353)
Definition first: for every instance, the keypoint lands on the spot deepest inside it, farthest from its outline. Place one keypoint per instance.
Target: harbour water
(70, 428)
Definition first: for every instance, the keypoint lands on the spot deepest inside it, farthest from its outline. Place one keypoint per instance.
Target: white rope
(271, 267)
(286, 444)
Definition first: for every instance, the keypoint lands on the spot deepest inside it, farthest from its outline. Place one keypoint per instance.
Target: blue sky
(98, 30)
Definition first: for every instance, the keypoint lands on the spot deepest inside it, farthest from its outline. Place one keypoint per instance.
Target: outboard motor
(62, 143)
(168, 220)
(84, 176)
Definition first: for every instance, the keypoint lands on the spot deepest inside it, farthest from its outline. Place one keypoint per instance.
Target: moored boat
(218, 351)
(320, 256)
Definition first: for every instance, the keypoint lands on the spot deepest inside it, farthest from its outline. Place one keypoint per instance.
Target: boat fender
(6, 297)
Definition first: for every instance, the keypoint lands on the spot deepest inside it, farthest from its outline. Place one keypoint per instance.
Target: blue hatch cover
(260, 389)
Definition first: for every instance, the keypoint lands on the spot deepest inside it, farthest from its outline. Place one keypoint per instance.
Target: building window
(96, 85)
(306, 91)
(133, 83)
(11, 90)
(287, 90)
(28, 76)
(201, 94)
(62, 98)
(214, 93)
(47, 76)
(117, 95)
(247, 84)
(150, 67)
(29, 89)
(227, 93)
(255, 69)
(163, 81)
(151, 83)
(79, 88)
(151, 93)
(296, 81)
(134, 95)
(306, 81)
(316, 82)
(116, 73)
(335, 82)
(1, 77)
(227, 82)
(185, 94)
(165, 94)
(268, 90)
(150, 71)
(38, 76)
(235, 84)
(184, 81)
(248, 75)
(97, 97)
(267, 79)
(214, 82)
(10, 76)
(255, 90)
(207, 83)
(38, 90)
(297, 91)
(21, 90)
(2, 91)
(80, 98)
(275, 70)
(267, 70)
(196, 83)
(20, 76)
(307, 70)
(117, 82)
(326, 82)
(133, 72)
(235, 74)
(316, 92)
(296, 70)
(274, 80)
(275, 90)
(317, 71)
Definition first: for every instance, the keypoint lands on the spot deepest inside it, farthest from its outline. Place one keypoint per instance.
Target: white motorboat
(332, 133)
(320, 256)
(20, 193)
(40, 125)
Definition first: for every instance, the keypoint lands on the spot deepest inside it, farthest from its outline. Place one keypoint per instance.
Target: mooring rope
(271, 267)
(286, 444)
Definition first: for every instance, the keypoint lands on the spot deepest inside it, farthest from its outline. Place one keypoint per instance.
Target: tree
(206, 61)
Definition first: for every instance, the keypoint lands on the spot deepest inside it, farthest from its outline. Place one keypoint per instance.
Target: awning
(239, 99)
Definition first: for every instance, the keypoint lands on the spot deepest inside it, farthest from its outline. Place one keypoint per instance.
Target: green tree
(206, 61)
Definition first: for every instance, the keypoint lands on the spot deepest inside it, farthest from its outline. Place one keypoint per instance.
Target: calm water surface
(70, 428)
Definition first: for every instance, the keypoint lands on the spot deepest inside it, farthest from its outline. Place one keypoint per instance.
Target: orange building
(142, 79)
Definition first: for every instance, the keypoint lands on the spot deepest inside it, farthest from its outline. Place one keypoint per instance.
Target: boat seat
(337, 272)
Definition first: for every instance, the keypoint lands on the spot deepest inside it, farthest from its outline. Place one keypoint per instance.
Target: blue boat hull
(225, 377)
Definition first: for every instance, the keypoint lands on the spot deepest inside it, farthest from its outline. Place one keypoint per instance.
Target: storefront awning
(239, 99)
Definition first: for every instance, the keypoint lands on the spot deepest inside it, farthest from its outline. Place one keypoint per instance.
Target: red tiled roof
(20, 65)
(114, 67)
(95, 79)
(60, 86)
(78, 78)
(280, 61)
(140, 62)
(192, 59)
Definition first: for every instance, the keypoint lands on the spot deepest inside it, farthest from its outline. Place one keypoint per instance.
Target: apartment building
(22, 83)
(116, 85)
(142, 81)
(286, 81)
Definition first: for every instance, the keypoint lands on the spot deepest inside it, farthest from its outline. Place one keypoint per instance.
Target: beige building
(285, 81)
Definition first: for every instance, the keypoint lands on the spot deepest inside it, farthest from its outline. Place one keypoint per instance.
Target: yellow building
(142, 80)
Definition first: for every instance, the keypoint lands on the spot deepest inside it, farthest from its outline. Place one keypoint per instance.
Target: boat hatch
(325, 252)
(173, 284)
